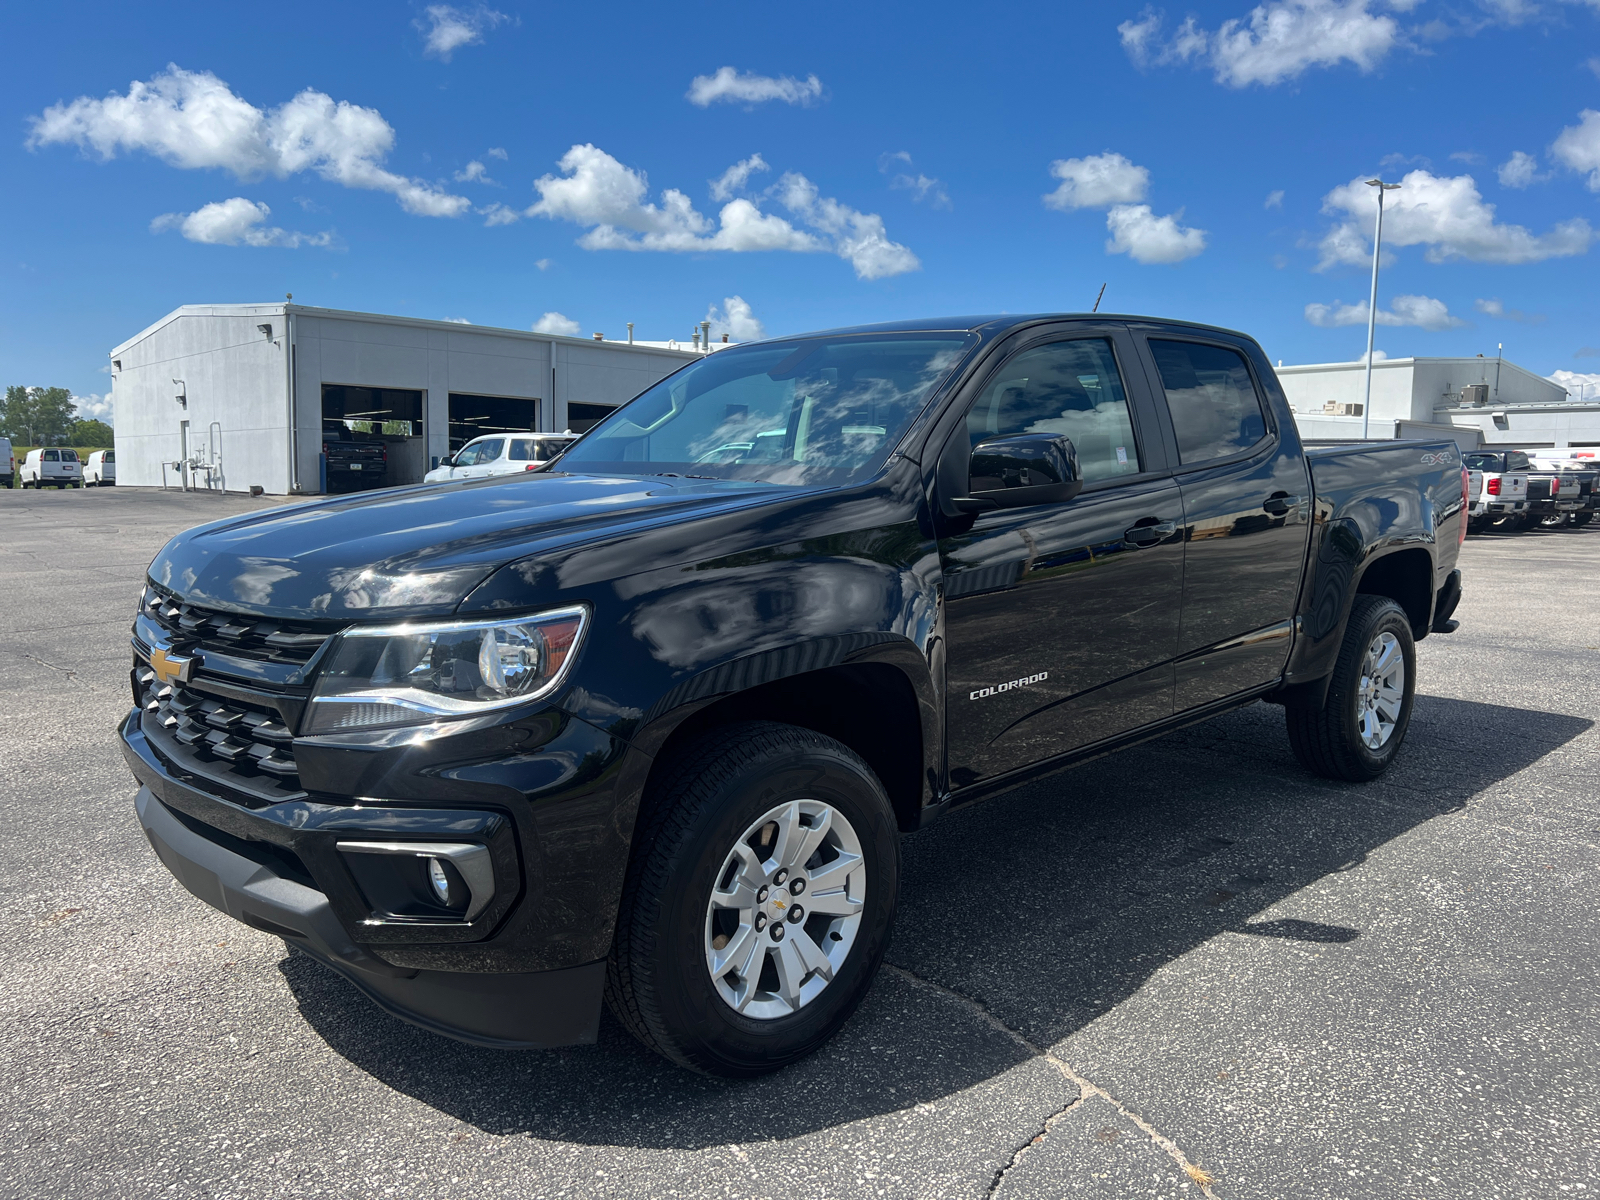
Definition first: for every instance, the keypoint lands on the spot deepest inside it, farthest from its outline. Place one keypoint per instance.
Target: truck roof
(995, 324)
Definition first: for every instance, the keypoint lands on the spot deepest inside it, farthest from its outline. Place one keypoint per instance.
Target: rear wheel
(759, 900)
(1582, 519)
(1358, 730)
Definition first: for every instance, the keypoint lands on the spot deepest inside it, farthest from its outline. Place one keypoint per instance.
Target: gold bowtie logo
(170, 668)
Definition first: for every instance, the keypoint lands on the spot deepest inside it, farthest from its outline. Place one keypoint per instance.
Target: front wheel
(759, 900)
(1358, 730)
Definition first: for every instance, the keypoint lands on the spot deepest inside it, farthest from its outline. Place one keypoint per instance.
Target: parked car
(52, 466)
(355, 461)
(8, 464)
(500, 454)
(1504, 499)
(1552, 494)
(101, 469)
(1579, 488)
(650, 725)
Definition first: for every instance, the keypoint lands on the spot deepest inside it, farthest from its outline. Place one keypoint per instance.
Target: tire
(1582, 519)
(714, 812)
(1477, 524)
(1332, 741)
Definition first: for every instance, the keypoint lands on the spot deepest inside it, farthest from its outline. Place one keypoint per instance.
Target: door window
(479, 453)
(1215, 410)
(1072, 388)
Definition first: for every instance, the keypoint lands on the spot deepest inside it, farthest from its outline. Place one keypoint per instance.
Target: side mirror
(1023, 469)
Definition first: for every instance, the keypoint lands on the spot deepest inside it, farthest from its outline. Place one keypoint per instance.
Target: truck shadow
(1046, 907)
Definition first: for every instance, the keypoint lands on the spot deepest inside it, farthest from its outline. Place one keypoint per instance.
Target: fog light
(440, 881)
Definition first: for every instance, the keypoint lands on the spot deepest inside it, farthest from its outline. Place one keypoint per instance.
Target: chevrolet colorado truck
(646, 726)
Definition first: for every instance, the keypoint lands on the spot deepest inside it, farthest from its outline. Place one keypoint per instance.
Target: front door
(1061, 620)
(1246, 496)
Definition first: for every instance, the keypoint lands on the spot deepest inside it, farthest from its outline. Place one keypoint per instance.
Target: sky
(776, 170)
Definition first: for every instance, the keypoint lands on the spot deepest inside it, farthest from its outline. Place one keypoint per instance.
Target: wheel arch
(1406, 577)
(880, 703)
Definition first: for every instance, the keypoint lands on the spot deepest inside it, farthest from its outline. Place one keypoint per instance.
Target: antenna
(1096, 307)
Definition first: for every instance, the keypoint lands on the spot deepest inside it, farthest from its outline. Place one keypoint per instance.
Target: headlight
(412, 674)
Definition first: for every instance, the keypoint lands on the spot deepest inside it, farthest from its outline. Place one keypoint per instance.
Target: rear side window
(1066, 387)
(1518, 461)
(52, 456)
(521, 450)
(1213, 401)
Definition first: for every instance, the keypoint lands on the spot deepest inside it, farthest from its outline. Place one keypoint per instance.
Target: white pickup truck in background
(1503, 502)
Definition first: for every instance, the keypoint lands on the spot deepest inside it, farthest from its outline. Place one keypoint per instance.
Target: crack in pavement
(1086, 1088)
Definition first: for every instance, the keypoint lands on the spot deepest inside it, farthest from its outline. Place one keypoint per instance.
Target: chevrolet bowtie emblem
(170, 668)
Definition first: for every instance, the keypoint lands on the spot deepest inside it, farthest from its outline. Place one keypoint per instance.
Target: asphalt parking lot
(1188, 961)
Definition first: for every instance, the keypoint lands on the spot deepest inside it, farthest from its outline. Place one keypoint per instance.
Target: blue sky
(782, 169)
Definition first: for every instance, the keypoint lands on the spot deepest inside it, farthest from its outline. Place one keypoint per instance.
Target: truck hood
(419, 551)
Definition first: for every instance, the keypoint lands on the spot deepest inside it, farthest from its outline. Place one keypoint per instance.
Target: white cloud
(729, 86)
(473, 172)
(543, 264)
(1444, 213)
(1146, 238)
(192, 120)
(597, 191)
(1493, 308)
(1422, 311)
(229, 222)
(1097, 181)
(446, 29)
(95, 407)
(922, 187)
(497, 152)
(1109, 179)
(1583, 385)
(457, 321)
(1274, 199)
(735, 177)
(554, 322)
(736, 319)
(1594, 66)
(1578, 146)
(1280, 40)
(1520, 171)
(498, 214)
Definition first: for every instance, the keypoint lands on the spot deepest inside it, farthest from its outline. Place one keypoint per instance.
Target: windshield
(806, 412)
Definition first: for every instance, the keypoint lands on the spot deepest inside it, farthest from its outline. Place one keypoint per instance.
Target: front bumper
(251, 878)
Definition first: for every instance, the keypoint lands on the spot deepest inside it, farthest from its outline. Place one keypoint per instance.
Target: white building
(241, 391)
(1479, 401)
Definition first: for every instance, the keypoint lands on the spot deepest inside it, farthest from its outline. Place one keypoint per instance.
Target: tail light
(1492, 485)
(1466, 477)
(533, 466)
(1555, 487)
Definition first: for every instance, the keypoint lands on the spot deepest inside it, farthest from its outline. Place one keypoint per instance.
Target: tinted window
(1214, 406)
(52, 456)
(111, 457)
(1483, 462)
(521, 450)
(1071, 388)
(808, 411)
(1518, 461)
(69, 456)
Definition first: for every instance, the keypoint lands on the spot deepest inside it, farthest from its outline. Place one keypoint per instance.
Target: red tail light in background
(1492, 486)
(1555, 487)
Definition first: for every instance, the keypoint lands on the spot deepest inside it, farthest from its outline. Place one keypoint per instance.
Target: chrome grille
(237, 744)
(235, 633)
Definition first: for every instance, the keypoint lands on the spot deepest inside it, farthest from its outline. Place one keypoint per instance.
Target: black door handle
(1279, 503)
(1148, 532)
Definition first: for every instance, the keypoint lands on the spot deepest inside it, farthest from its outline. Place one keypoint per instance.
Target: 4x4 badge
(170, 668)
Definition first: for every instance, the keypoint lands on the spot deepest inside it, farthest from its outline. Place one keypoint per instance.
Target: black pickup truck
(353, 461)
(648, 724)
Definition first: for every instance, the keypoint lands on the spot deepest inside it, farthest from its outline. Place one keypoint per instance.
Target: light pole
(1372, 304)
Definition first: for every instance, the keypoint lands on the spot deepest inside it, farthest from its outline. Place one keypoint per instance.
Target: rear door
(1061, 620)
(1246, 503)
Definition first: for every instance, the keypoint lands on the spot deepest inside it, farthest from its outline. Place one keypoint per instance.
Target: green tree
(92, 433)
(37, 416)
